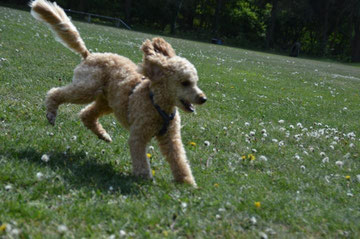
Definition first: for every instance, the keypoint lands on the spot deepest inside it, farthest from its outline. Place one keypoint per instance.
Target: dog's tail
(60, 24)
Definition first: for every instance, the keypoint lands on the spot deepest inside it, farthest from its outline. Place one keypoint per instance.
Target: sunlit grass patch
(275, 150)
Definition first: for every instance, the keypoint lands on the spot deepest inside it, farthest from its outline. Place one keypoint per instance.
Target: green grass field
(299, 118)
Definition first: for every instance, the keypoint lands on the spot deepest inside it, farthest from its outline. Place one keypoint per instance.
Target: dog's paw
(106, 137)
(51, 118)
(143, 175)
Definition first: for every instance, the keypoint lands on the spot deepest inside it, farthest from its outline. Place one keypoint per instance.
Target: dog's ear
(156, 55)
(157, 46)
(157, 51)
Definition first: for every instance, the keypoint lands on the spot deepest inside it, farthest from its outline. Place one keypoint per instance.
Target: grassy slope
(299, 197)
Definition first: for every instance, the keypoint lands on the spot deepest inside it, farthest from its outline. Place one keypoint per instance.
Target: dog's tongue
(190, 107)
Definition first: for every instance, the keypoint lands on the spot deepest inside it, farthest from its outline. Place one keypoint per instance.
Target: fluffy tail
(60, 24)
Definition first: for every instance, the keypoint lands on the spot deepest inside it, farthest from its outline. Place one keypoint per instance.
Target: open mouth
(187, 105)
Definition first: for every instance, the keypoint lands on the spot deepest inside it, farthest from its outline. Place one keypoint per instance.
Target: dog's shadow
(81, 171)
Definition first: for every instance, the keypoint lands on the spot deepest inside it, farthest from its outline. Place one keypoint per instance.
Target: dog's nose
(202, 99)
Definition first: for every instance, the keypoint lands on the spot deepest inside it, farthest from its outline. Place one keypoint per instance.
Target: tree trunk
(217, 18)
(325, 28)
(128, 11)
(176, 13)
(355, 43)
(271, 26)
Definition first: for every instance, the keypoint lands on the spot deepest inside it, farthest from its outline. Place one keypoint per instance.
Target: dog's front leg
(141, 166)
(172, 148)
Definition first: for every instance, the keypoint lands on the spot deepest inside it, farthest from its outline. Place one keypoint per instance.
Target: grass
(295, 188)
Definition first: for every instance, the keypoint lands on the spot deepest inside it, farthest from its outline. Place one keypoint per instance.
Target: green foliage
(324, 28)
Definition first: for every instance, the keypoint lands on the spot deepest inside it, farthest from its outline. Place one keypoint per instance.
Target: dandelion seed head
(339, 163)
(62, 229)
(122, 233)
(45, 158)
(349, 194)
(263, 158)
(253, 220)
(39, 175)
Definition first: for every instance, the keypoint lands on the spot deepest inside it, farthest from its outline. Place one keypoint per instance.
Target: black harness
(166, 118)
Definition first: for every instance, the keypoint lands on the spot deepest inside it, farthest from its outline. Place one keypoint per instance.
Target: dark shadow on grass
(82, 171)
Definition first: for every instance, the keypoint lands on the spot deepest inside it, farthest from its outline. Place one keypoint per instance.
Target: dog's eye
(185, 83)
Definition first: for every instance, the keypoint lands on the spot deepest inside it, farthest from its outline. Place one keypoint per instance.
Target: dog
(144, 98)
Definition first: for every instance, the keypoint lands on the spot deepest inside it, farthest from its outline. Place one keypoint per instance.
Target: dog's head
(176, 74)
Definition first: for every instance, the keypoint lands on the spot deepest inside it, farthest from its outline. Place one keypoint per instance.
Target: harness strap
(166, 118)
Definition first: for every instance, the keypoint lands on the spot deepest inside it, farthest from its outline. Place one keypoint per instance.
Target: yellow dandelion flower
(257, 204)
(216, 185)
(243, 157)
(149, 155)
(251, 157)
(2, 227)
(153, 172)
(347, 177)
(192, 144)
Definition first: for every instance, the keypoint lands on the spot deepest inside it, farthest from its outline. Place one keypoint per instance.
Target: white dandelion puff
(339, 163)
(39, 175)
(122, 233)
(62, 229)
(8, 187)
(263, 158)
(45, 158)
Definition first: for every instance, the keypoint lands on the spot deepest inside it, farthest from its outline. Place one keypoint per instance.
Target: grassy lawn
(298, 118)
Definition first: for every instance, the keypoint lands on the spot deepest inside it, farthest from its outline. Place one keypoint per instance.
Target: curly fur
(114, 84)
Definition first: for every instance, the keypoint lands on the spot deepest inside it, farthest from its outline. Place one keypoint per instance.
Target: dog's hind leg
(76, 93)
(91, 114)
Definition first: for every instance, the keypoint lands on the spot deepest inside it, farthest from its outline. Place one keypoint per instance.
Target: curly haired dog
(144, 98)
